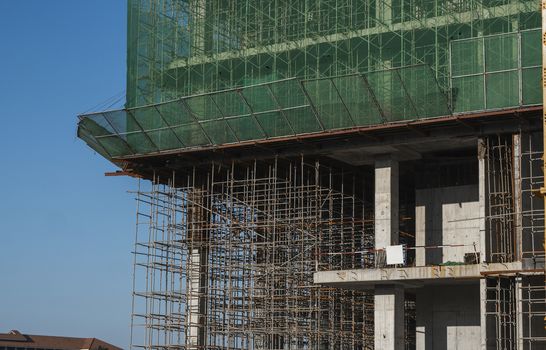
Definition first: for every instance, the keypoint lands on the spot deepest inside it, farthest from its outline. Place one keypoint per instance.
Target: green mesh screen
(183, 47)
(282, 108)
(497, 71)
(213, 72)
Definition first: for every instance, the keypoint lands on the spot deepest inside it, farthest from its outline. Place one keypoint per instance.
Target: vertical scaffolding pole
(543, 189)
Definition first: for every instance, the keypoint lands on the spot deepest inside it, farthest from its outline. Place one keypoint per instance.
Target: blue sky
(66, 230)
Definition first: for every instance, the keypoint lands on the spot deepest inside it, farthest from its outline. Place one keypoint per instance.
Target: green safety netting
(214, 72)
(179, 48)
(283, 108)
(495, 72)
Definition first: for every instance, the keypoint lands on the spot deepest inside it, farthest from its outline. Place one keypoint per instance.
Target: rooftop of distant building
(17, 340)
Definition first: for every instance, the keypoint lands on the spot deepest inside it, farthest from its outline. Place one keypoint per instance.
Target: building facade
(333, 174)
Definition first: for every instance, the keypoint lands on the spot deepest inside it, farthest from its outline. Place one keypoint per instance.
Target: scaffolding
(225, 251)
(225, 254)
(533, 311)
(224, 259)
(501, 240)
(515, 211)
(501, 313)
(532, 179)
(515, 311)
(515, 303)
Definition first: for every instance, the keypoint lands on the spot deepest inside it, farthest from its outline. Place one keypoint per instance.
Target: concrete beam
(416, 276)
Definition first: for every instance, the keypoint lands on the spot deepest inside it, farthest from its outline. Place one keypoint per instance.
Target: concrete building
(15, 340)
(333, 174)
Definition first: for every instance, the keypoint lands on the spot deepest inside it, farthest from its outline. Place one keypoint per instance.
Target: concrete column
(483, 199)
(386, 202)
(197, 270)
(389, 317)
(193, 297)
(422, 223)
(389, 299)
(197, 279)
(483, 318)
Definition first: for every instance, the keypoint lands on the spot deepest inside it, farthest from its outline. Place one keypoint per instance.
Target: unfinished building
(333, 174)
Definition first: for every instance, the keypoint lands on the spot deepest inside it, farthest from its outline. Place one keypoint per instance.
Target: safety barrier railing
(406, 256)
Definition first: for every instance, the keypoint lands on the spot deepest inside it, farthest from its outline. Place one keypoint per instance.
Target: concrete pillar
(389, 299)
(422, 224)
(197, 279)
(193, 297)
(197, 270)
(483, 199)
(386, 202)
(483, 318)
(389, 317)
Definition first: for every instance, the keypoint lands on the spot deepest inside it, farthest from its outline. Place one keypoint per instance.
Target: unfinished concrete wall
(448, 317)
(446, 216)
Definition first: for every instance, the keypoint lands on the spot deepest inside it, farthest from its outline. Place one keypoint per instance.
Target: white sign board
(395, 255)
